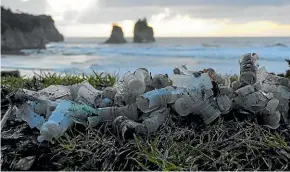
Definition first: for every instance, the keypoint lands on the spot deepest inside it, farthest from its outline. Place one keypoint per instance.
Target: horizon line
(188, 37)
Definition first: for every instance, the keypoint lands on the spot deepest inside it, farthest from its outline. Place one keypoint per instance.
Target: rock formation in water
(143, 32)
(117, 36)
(25, 31)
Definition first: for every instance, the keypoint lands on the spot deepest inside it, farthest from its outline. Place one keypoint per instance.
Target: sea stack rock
(25, 31)
(117, 36)
(143, 32)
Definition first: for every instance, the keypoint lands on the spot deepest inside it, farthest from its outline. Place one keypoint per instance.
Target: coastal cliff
(25, 31)
(117, 36)
(143, 32)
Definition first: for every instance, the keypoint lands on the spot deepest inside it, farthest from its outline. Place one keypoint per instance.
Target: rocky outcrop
(117, 36)
(25, 31)
(143, 32)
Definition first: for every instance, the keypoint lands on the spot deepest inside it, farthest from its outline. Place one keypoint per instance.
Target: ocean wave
(210, 45)
(205, 51)
(277, 45)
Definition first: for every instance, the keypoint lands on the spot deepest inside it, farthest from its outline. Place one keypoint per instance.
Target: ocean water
(82, 55)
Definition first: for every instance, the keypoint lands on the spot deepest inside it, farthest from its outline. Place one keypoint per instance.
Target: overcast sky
(171, 18)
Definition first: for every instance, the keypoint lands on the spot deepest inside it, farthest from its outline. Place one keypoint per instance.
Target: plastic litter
(108, 114)
(154, 99)
(156, 119)
(191, 82)
(109, 92)
(54, 92)
(222, 80)
(123, 96)
(106, 103)
(127, 127)
(80, 113)
(284, 91)
(271, 118)
(141, 104)
(236, 85)
(28, 115)
(184, 106)
(248, 69)
(245, 90)
(224, 104)
(182, 70)
(137, 81)
(57, 123)
(87, 94)
(160, 81)
(144, 75)
(253, 102)
(208, 112)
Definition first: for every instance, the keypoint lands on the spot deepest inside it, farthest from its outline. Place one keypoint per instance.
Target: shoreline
(224, 67)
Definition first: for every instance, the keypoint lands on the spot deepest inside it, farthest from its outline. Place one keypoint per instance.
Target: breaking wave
(199, 51)
(277, 45)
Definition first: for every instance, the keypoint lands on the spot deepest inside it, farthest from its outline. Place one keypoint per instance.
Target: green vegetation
(182, 145)
(38, 82)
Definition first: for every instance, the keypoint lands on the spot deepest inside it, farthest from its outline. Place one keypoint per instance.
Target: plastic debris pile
(140, 103)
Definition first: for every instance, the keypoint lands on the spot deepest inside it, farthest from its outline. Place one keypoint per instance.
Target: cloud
(108, 11)
(279, 14)
(171, 3)
(28, 6)
(169, 18)
(169, 23)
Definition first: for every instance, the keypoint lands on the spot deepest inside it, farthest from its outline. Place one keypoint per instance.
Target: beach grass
(182, 143)
(46, 79)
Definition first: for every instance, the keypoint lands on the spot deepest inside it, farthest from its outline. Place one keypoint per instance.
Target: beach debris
(127, 127)
(248, 69)
(55, 92)
(123, 96)
(156, 119)
(154, 99)
(276, 87)
(7, 115)
(135, 85)
(137, 81)
(236, 85)
(87, 94)
(141, 104)
(207, 110)
(108, 114)
(80, 113)
(106, 103)
(57, 123)
(192, 83)
(26, 113)
(199, 96)
(109, 92)
(250, 99)
(25, 163)
(144, 75)
(224, 104)
(160, 81)
(183, 106)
